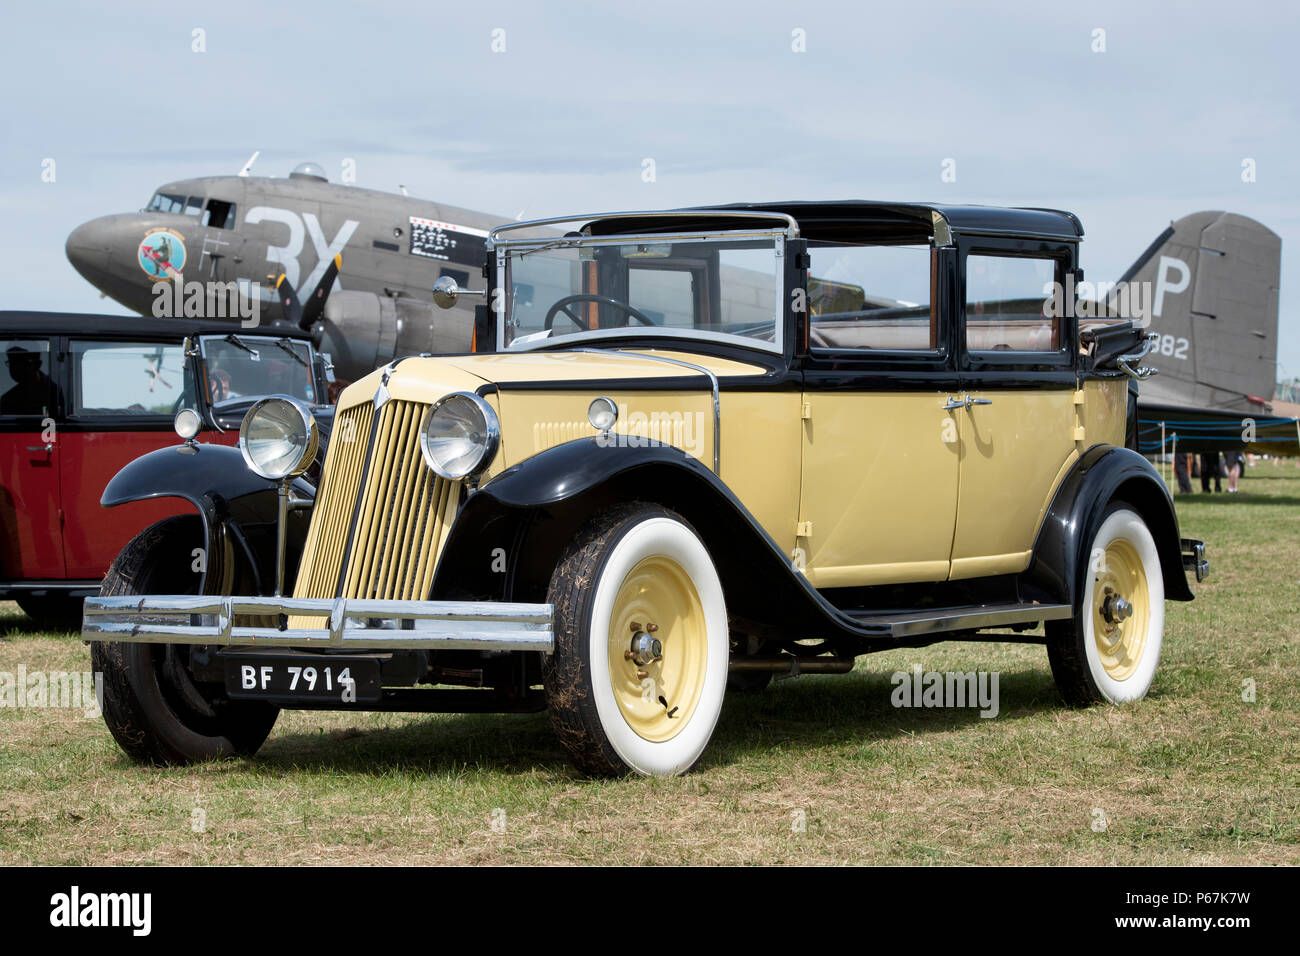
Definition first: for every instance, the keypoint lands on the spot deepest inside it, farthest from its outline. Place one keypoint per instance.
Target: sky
(554, 108)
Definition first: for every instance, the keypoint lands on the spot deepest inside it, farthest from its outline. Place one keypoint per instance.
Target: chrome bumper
(359, 624)
(1194, 558)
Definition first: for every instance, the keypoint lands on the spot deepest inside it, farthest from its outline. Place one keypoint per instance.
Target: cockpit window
(193, 205)
(166, 202)
(219, 214)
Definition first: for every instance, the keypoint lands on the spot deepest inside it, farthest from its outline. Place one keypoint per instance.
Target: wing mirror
(446, 292)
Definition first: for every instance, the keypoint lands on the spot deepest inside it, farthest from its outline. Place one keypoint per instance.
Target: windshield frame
(506, 251)
(266, 344)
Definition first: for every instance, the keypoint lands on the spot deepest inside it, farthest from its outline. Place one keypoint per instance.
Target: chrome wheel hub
(645, 648)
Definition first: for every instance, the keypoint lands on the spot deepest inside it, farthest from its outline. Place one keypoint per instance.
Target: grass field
(814, 770)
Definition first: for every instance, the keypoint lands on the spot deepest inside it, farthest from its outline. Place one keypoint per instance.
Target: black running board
(974, 617)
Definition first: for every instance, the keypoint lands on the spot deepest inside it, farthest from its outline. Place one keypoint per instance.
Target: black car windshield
(579, 289)
(240, 366)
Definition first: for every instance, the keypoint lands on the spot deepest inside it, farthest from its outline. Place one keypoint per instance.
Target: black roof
(124, 326)
(830, 219)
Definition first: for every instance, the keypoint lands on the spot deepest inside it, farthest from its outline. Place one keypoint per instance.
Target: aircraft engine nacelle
(362, 331)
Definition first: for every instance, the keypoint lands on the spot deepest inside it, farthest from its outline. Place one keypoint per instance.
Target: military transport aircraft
(264, 230)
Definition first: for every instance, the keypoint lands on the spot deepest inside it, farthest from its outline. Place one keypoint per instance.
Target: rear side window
(128, 379)
(25, 385)
(1008, 304)
(871, 297)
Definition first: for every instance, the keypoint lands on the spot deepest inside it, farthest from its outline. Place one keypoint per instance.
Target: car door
(122, 398)
(30, 452)
(1018, 428)
(878, 499)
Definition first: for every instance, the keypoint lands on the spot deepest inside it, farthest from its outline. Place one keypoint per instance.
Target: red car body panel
(31, 546)
(88, 460)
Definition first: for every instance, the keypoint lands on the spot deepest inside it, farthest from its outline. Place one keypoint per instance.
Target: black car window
(128, 379)
(1008, 304)
(871, 297)
(25, 385)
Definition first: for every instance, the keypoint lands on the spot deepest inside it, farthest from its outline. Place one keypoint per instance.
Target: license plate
(343, 679)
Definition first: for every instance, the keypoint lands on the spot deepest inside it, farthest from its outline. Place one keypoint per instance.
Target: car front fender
(236, 505)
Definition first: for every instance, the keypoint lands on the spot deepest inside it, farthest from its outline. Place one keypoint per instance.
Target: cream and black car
(691, 450)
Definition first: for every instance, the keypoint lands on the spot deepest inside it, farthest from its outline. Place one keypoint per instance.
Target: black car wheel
(155, 709)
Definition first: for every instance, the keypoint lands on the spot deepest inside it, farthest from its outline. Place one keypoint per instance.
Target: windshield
(250, 366)
(579, 288)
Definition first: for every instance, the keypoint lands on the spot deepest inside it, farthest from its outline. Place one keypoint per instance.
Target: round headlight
(459, 435)
(278, 437)
(187, 423)
(602, 413)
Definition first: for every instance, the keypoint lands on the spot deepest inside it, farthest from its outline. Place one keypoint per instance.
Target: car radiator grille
(393, 540)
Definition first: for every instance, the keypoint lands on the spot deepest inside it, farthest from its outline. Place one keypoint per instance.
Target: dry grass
(1191, 775)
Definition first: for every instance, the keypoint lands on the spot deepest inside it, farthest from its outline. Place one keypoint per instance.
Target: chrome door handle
(45, 448)
(966, 402)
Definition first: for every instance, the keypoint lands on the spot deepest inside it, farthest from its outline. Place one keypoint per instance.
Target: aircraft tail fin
(1211, 291)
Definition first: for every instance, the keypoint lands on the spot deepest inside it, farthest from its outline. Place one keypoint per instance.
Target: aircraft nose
(88, 248)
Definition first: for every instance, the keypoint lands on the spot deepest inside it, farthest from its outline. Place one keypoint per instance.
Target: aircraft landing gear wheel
(1109, 650)
(639, 670)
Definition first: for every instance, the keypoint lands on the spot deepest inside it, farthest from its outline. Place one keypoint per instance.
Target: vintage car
(81, 396)
(690, 445)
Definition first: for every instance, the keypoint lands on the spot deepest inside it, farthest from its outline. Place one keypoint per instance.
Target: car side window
(128, 378)
(871, 297)
(25, 384)
(1007, 304)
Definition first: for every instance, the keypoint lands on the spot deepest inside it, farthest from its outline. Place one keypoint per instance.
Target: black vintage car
(82, 396)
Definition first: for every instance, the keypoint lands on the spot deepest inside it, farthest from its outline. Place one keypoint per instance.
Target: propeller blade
(316, 301)
(289, 299)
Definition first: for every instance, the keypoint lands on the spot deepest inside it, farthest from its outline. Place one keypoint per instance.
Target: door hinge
(805, 411)
(1078, 397)
(803, 529)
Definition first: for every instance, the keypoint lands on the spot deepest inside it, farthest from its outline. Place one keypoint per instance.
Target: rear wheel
(152, 705)
(1109, 650)
(639, 670)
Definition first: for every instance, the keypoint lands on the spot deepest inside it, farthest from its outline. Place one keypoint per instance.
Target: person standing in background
(1182, 472)
(1233, 462)
(1210, 468)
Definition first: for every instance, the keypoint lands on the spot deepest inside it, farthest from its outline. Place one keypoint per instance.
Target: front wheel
(1109, 650)
(154, 708)
(639, 670)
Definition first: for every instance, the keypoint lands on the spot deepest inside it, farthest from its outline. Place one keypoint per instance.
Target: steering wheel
(563, 306)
